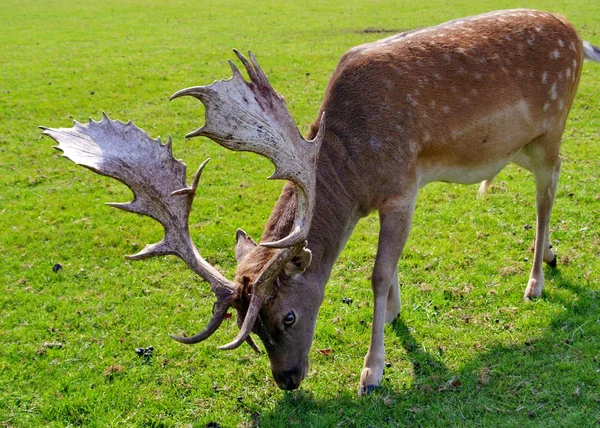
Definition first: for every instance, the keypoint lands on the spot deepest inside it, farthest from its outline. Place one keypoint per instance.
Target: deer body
(455, 103)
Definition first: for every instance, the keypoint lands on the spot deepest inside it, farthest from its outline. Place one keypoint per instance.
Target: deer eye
(289, 319)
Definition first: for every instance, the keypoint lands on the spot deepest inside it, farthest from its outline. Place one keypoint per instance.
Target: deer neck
(337, 210)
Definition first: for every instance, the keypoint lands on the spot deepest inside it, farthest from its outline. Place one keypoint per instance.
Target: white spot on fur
(411, 100)
(553, 92)
(546, 124)
(375, 144)
(478, 76)
(432, 103)
(547, 106)
(457, 134)
(544, 78)
(555, 54)
(575, 64)
(561, 43)
(448, 57)
(560, 76)
(460, 71)
(568, 72)
(426, 136)
(519, 72)
(446, 109)
(561, 105)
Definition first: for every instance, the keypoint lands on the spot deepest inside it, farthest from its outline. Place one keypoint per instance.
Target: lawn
(466, 351)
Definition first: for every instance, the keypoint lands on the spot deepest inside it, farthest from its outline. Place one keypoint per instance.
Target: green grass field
(467, 350)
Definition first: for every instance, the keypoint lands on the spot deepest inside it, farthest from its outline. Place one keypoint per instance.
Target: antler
(126, 153)
(251, 116)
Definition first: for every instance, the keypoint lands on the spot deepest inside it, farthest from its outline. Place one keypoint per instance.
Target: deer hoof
(366, 389)
(534, 289)
(552, 263)
(369, 381)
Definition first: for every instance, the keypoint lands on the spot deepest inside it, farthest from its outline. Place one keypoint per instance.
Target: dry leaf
(326, 352)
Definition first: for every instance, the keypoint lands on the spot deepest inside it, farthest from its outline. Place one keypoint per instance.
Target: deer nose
(289, 379)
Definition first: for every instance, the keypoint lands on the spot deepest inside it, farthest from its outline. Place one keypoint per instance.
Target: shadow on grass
(544, 381)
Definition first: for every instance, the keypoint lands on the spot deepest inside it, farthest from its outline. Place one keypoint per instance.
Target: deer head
(243, 116)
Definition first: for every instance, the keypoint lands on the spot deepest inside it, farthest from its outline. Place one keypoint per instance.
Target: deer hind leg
(545, 167)
(395, 217)
(526, 162)
(484, 187)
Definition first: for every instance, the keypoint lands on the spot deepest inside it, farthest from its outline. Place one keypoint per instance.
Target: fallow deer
(456, 103)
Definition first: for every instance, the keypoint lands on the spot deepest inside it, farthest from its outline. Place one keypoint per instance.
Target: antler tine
(255, 72)
(251, 315)
(252, 73)
(221, 308)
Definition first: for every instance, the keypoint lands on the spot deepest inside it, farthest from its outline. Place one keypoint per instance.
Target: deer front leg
(395, 217)
(392, 308)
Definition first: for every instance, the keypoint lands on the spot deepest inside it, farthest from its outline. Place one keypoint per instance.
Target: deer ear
(244, 244)
(299, 263)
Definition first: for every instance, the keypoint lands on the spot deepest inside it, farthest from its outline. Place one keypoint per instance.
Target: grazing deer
(454, 103)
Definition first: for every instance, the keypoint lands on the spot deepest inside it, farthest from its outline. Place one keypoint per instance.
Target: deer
(455, 103)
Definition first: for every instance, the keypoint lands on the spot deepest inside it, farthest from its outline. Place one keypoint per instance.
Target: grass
(467, 350)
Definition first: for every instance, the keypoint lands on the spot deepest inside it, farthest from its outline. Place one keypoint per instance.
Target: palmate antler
(240, 115)
(251, 116)
(126, 153)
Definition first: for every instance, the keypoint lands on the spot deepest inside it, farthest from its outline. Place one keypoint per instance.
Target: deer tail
(591, 52)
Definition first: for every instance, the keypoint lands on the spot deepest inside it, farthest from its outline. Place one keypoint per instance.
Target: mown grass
(467, 350)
